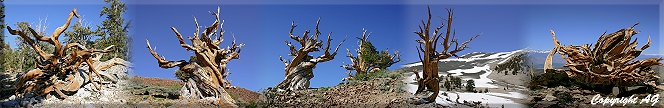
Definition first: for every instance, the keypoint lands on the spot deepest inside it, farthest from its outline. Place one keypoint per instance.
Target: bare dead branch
(429, 56)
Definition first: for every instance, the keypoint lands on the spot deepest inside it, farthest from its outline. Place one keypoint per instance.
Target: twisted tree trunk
(299, 70)
(610, 62)
(299, 77)
(206, 78)
(58, 72)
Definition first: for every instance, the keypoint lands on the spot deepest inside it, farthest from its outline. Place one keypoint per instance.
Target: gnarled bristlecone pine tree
(368, 59)
(299, 70)
(430, 79)
(610, 62)
(206, 78)
(58, 71)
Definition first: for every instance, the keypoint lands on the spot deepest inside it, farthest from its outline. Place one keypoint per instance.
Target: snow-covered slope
(474, 66)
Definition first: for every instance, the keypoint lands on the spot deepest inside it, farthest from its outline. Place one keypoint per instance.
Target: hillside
(159, 92)
(503, 90)
(380, 89)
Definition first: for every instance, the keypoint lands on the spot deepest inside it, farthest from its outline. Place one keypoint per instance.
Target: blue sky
(264, 25)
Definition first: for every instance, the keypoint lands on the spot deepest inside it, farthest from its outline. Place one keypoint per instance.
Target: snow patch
(475, 69)
(484, 81)
(477, 56)
(492, 56)
(538, 51)
(511, 95)
(413, 64)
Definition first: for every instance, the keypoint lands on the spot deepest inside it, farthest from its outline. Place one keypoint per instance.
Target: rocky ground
(567, 94)
(575, 97)
(383, 89)
(6, 81)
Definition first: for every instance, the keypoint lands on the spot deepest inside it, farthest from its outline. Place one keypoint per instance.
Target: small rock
(587, 92)
(561, 88)
(549, 97)
(578, 96)
(13, 97)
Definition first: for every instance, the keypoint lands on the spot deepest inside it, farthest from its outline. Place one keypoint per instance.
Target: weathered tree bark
(362, 66)
(103, 66)
(430, 79)
(610, 62)
(207, 77)
(549, 57)
(299, 70)
(58, 71)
